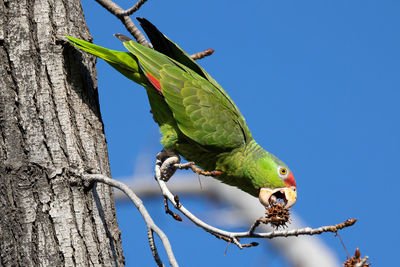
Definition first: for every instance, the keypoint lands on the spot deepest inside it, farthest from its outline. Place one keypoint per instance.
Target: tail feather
(124, 62)
(162, 44)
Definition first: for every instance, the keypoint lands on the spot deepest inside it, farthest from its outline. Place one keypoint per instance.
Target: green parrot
(197, 118)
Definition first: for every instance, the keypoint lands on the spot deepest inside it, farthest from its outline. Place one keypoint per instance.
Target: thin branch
(236, 242)
(168, 211)
(234, 236)
(123, 15)
(153, 247)
(202, 54)
(151, 226)
(256, 224)
(133, 9)
(243, 211)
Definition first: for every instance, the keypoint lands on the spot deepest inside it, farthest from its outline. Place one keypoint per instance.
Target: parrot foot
(169, 159)
(195, 169)
(171, 162)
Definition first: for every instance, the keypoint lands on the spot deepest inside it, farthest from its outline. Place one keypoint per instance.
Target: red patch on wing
(154, 81)
(290, 181)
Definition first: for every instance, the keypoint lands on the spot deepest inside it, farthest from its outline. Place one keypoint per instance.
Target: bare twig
(133, 9)
(202, 54)
(243, 211)
(344, 246)
(234, 236)
(123, 15)
(252, 244)
(256, 224)
(170, 212)
(151, 226)
(236, 242)
(153, 248)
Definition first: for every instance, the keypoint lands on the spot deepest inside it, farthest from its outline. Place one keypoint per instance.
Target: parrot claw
(169, 161)
(195, 169)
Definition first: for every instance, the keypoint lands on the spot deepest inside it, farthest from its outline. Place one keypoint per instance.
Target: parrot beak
(287, 194)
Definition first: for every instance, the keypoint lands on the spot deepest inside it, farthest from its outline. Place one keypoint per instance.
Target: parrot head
(275, 181)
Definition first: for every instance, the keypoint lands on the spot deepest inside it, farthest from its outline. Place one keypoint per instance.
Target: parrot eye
(283, 172)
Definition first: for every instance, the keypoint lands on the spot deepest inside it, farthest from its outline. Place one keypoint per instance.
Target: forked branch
(151, 226)
(233, 237)
(123, 16)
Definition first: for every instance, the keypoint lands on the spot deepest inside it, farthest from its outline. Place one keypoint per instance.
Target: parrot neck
(240, 168)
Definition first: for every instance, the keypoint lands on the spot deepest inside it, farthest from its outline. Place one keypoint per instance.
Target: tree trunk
(50, 130)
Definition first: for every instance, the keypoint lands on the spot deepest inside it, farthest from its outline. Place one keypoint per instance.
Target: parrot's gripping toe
(271, 196)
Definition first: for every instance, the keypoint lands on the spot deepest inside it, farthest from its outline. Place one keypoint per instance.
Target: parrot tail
(165, 46)
(124, 62)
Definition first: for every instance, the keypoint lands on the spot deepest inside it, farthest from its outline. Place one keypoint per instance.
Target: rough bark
(50, 128)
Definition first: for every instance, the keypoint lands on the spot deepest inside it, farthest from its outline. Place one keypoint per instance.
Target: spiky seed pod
(277, 215)
(353, 260)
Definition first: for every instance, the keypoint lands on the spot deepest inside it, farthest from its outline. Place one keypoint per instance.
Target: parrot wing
(203, 111)
(164, 45)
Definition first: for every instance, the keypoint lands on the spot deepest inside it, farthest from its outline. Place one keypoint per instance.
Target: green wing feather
(203, 111)
(164, 45)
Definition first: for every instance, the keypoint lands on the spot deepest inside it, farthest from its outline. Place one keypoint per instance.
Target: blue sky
(318, 83)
